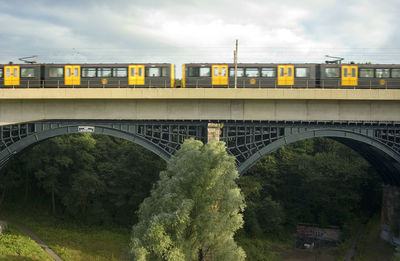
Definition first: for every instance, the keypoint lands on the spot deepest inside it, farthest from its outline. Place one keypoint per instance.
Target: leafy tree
(316, 181)
(194, 209)
(397, 254)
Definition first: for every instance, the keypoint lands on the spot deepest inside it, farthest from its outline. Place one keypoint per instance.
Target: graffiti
(313, 232)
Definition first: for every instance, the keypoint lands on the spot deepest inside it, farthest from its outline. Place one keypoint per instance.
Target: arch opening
(381, 157)
(30, 140)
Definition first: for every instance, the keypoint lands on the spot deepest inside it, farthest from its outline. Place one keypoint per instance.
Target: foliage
(194, 210)
(260, 249)
(98, 179)
(316, 181)
(72, 241)
(370, 246)
(94, 178)
(397, 254)
(15, 245)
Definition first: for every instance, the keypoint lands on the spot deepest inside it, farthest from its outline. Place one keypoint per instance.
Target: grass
(264, 249)
(73, 241)
(370, 247)
(15, 245)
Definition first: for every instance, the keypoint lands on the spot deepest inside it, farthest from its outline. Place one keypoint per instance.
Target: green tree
(194, 209)
(397, 254)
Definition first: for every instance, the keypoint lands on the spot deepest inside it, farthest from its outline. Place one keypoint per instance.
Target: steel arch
(338, 134)
(19, 145)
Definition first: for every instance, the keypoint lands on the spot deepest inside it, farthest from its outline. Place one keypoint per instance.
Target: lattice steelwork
(243, 140)
(389, 136)
(170, 135)
(164, 135)
(13, 133)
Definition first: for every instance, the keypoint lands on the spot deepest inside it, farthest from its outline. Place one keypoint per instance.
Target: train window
(353, 72)
(289, 71)
(332, 72)
(68, 72)
(345, 72)
(76, 72)
(216, 71)
(382, 73)
(56, 72)
(281, 71)
(194, 72)
(1, 72)
(205, 72)
(88, 72)
(154, 72)
(223, 71)
(366, 73)
(268, 72)
(103, 72)
(163, 71)
(240, 72)
(140, 73)
(301, 72)
(120, 72)
(395, 73)
(28, 72)
(252, 72)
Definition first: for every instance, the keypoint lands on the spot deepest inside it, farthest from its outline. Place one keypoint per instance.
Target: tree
(194, 209)
(397, 254)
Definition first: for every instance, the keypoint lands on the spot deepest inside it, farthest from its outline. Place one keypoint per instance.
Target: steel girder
(248, 141)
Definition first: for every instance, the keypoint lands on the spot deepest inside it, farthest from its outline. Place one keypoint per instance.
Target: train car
(251, 75)
(20, 76)
(109, 75)
(360, 76)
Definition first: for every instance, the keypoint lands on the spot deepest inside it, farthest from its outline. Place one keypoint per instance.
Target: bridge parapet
(200, 93)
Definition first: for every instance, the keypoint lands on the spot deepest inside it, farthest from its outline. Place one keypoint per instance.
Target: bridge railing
(373, 83)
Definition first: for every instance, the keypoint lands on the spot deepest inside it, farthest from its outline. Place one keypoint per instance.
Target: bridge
(252, 122)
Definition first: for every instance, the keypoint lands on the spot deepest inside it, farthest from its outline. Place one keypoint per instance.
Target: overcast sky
(184, 31)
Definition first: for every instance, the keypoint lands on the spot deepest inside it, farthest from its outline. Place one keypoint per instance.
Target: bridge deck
(204, 93)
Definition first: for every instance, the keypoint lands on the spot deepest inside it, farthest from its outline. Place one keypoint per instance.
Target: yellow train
(200, 75)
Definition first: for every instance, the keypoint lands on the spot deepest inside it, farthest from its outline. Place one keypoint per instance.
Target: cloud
(199, 31)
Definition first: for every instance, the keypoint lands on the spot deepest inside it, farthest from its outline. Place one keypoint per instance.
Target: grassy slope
(370, 247)
(73, 241)
(15, 245)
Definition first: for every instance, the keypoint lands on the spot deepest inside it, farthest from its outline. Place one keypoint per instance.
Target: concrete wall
(26, 105)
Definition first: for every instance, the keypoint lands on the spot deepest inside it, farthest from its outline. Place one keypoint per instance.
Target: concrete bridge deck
(28, 105)
(201, 93)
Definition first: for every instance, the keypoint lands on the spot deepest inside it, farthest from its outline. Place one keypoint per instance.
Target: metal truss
(244, 139)
(161, 137)
(248, 141)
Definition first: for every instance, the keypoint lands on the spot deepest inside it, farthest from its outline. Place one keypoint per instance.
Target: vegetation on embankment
(370, 247)
(15, 245)
(97, 181)
(70, 240)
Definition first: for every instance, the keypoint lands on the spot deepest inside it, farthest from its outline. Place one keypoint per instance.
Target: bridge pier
(390, 221)
(213, 132)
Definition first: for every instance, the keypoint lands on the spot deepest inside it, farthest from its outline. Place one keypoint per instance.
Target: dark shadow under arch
(383, 158)
(30, 140)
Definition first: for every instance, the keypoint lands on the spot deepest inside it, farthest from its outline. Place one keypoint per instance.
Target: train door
(285, 75)
(349, 75)
(11, 75)
(136, 75)
(72, 75)
(220, 75)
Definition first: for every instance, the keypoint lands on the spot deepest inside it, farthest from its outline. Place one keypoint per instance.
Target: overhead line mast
(235, 52)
